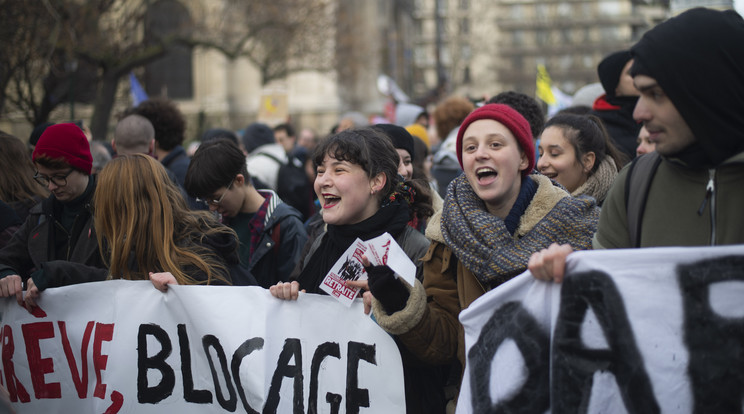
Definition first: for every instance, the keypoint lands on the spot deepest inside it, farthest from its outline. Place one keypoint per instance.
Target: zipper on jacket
(710, 195)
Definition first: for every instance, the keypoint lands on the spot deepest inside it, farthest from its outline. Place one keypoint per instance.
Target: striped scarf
(483, 244)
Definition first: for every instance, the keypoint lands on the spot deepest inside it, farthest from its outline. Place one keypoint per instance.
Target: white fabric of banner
(123, 346)
(629, 331)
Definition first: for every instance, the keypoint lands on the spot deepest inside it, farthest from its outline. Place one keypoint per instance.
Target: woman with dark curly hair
(363, 196)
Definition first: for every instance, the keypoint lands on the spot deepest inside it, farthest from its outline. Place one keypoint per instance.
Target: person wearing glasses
(57, 240)
(271, 232)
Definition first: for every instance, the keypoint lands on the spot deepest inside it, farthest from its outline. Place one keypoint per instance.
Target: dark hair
(286, 128)
(216, 133)
(586, 133)
(420, 152)
(374, 152)
(16, 182)
(526, 106)
(576, 110)
(214, 165)
(166, 119)
(36, 133)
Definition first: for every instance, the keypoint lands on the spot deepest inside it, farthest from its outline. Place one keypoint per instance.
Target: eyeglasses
(218, 201)
(60, 180)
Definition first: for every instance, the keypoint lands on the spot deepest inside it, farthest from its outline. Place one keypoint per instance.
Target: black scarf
(391, 218)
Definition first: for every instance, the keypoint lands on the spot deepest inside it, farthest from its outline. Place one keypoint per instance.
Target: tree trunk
(103, 106)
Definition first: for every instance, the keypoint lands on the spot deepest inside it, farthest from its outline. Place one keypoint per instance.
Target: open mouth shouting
(485, 175)
(330, 200)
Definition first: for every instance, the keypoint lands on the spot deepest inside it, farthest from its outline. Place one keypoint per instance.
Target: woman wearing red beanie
(495, 216)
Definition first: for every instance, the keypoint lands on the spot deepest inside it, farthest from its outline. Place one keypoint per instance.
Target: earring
(372, 192)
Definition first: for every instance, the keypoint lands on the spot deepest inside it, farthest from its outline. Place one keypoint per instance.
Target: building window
(542, 37)
(566, 62)
(517, 63)
(442, 9)
(464, 4)
(172, 75)
(464, 26)
(541, 11)
(518, 38)
(418, 27)
(566, 36)
(465, 53)
(517, 12)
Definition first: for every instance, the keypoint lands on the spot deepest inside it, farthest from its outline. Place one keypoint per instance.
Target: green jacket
(684, 207)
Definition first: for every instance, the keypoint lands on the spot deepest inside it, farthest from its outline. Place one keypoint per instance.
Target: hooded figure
(615, 107)
(707, 83)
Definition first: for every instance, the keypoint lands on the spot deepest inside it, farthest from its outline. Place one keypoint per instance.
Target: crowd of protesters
(475, 193)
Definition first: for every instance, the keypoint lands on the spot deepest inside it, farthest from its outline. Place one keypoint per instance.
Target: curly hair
(450, 113)
(526, 106)
(166, 118)
(374, 152)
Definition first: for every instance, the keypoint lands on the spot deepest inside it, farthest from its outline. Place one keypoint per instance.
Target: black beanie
(610, 69)
(697, 58)
(257, 134)
(401, 138)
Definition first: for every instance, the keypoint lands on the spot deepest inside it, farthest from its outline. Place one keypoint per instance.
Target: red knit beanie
(509, 118)
(68, 142)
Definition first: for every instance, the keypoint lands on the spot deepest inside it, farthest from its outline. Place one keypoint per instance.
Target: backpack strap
(273, 157)
(637, 184)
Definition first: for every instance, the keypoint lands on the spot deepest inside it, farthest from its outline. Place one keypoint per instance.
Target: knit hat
(418, 130)
(257, 134)
(610, 69)
(398, 135)
(509, 118)
(68, 142)
(706, 85)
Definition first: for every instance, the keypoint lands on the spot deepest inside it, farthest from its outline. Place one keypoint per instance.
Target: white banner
(124, 347)
(629, 331)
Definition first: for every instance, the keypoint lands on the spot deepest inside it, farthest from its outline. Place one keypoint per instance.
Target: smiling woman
(362, 196)
(495, 216)
(577, 152)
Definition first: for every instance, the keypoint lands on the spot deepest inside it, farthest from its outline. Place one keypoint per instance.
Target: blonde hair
(140, 213)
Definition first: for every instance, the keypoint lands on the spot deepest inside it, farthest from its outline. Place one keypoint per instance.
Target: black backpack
(294, 188)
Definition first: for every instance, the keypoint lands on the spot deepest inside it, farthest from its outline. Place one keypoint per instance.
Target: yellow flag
(544, 90)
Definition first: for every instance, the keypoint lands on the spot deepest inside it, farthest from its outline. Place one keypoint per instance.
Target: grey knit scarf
(482, 243)
(599, 183)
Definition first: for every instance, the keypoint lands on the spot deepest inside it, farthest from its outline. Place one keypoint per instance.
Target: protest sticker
(124, 347)
(628, 331)
(348, 267)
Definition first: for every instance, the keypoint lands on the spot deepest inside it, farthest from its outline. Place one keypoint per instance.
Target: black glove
(388, 290)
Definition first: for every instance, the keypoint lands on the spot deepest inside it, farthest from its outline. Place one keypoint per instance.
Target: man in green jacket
(690, 73)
